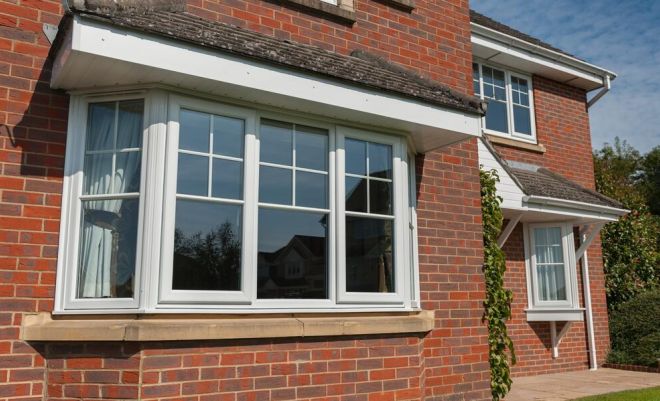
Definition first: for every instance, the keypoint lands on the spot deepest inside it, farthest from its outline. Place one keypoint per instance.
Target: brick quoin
(451, 361)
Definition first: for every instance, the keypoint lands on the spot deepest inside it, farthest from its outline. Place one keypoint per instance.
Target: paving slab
(572, 385)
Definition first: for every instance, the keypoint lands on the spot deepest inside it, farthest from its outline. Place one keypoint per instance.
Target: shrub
(635, 332)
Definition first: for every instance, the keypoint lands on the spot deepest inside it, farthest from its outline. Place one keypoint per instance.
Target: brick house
(168, 232)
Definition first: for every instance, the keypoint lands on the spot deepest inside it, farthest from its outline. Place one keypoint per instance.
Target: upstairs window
(510, 104)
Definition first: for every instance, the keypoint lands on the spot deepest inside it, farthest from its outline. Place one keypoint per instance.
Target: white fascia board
(531, 53)
(604, 210)
(123, 57)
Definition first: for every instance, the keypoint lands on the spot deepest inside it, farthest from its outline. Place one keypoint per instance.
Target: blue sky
(620, 35)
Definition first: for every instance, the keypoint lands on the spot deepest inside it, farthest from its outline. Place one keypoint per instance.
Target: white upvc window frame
(511, 132)
(399, 213)
(570, 270)
(152, 291)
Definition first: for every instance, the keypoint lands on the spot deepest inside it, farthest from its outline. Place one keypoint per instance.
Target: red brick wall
(449, 362)
(562, 126)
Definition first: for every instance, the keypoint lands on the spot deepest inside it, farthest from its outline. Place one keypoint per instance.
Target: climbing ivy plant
(497, 306)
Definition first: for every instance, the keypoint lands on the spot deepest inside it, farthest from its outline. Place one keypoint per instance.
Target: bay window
(180, 204)
(510, 103)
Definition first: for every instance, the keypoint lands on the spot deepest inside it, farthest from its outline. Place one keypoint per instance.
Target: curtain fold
(109, 227)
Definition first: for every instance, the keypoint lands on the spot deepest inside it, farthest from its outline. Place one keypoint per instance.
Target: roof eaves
(496, 30)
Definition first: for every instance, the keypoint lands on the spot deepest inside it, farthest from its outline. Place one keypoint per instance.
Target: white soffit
(97, 55)
(503, 49)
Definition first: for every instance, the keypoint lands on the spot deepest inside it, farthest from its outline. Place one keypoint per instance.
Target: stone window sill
(405, 5)
(43, 327)
(513, 143)
(555, 315)
(341, 12)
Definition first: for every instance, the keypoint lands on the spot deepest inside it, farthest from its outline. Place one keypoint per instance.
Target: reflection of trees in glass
(210, 261)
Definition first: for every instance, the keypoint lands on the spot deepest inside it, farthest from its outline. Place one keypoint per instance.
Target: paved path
(571, 385)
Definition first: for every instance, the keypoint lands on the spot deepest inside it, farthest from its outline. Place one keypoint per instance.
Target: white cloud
(622, 36)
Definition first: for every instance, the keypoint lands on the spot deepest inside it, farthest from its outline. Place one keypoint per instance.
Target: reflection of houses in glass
(369, 263)
(297, 270)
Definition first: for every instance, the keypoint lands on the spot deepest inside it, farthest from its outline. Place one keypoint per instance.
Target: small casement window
(173, 203)
(510, 104)
(552, 271)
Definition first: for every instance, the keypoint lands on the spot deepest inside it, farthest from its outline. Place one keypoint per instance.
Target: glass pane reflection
(207, 246)
(369, 255)
(292, 259)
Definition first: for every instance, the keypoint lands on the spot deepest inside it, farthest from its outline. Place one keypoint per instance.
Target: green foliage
(647, 394)
(635, 333)
(498, 300)
(631, 246)
(651, 179)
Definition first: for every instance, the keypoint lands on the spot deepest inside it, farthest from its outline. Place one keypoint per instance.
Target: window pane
(514, 83)
(369, 256)
(311, 190)
(275, 185)
(311, 148)
(227, 179)
(522, 83)
(292, 260)
(524, 99)
(496, 118)
(498, 78)
(100, 126)
(194, 130)
(475, 88)
(488, 74)
(552, 283)
(127, 172)
(521, 120)
(500, 94)
(97, 174)
(489, 91)
(276, 142)
(129, 129)
(356, 157)
(380, 197)
(108, 244)
(380, 160)
(356, 194)
(193, 175)
(207, 246)
(228, 134)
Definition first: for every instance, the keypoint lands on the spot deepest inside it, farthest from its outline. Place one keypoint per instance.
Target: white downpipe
(607, 85)
(589, 313)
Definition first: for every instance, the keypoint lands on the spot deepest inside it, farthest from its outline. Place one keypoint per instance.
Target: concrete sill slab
(43, 327)
(514, 143)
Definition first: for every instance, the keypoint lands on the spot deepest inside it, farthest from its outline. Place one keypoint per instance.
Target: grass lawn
(647, 394)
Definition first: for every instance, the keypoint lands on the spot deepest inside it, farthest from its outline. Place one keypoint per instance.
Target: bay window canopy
(560, 218)
(122, 48)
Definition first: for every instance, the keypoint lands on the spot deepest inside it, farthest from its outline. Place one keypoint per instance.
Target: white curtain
(550, 264)
(108, 238)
